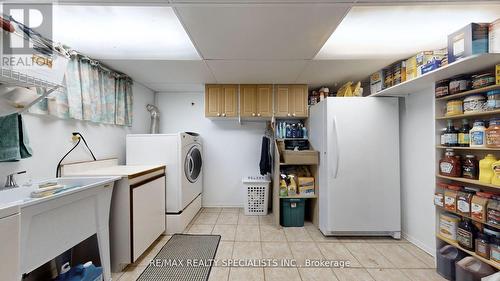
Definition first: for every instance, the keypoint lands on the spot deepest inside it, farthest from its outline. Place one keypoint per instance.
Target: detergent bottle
(496, 173)
(485, 168)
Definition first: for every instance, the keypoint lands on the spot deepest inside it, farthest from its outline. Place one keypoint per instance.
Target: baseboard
(221, 206)
(419, 244)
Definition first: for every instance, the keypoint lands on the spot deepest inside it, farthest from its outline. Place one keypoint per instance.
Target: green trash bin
(292, 212)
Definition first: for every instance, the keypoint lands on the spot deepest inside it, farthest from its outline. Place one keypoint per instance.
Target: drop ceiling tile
(329, 72)
(242, 71)
(161, 71)
(260, 31)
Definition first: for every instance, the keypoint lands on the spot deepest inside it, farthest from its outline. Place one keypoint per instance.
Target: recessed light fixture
(123, 32)
(398, 31)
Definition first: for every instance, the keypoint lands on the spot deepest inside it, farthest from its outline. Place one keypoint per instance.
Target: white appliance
(182, 155)
(359, 186)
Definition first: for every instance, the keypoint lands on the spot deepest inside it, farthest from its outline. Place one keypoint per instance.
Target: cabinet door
(148, 214)
(248, 100)
(10, 253)
(298, 102)
(230, 100)
(264, 100)
(213, 100)
(282, 101)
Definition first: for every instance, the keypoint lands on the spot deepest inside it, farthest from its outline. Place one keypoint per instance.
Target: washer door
(192, 164)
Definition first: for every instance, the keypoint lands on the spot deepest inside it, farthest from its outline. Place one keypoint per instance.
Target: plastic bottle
(477, 135)
(463, 134)
(292, 187)
(496, 173)
(283, 186)
(485, 168)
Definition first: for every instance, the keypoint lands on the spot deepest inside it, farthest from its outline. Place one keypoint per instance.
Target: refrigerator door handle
(337, 150)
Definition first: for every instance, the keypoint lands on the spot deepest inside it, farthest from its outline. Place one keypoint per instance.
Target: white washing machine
(182, 153)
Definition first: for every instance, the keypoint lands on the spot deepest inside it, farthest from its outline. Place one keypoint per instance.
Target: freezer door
(362, 174)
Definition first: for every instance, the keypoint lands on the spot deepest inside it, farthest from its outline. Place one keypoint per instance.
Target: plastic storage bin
(447, 256)
(82, 272)
(257, 195)
(472, 269)
(292, 212)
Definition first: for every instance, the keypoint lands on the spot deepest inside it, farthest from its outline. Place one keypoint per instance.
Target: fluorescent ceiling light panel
(398, 31)
(110, 32)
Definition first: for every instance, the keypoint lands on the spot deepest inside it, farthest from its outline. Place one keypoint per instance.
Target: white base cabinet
(10, 255)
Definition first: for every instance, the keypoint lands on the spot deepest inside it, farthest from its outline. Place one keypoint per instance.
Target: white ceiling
(254, 41)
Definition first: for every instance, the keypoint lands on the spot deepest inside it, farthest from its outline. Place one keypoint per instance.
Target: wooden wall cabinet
(256, 100)
(221, 100)
(291, 101)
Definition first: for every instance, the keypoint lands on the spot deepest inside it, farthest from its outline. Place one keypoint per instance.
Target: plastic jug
(496, 173)
(472, 269)
(82, 272)
(485, 171)
(447, 256)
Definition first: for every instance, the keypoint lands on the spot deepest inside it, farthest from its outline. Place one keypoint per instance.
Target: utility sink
(56, 223)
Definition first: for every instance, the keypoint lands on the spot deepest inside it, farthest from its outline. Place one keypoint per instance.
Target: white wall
(50, 139)
(418, 168)
(231, 150)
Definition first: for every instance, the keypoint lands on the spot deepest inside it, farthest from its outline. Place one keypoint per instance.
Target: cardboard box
(411, 68)
(494, 37)
(429, 60)
(399, 72)
(303, 157)
(469, 40)
(377, 82)
(306, 186)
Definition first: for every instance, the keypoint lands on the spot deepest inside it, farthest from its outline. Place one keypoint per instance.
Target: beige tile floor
(250, 237)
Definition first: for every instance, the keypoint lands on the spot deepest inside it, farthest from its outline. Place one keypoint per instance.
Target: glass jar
(493, 102)
(493, 133)
(483, 245)
(450, 135)
(495, 249)
(470, 167)
(449, 165)
(477, 132)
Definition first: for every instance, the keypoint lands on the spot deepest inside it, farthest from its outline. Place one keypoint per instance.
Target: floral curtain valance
(91, 93)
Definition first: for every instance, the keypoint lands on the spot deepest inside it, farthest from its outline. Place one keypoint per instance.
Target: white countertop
(120, 170)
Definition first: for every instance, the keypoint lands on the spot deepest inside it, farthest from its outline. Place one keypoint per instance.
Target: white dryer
(182, 153)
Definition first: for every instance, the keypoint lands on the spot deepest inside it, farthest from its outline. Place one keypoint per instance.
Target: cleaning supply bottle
(283, 186)
(485, 168)
(292, 186)
(496, 173)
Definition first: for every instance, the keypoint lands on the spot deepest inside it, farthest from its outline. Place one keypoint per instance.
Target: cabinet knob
(223, 114)
(288, 115)
(218, 114)
(258, 114)
(253, 114)
(293, 115)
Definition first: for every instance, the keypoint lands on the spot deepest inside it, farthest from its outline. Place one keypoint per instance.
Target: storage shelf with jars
(467, 191)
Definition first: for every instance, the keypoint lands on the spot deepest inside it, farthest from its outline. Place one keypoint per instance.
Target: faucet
(11, 180)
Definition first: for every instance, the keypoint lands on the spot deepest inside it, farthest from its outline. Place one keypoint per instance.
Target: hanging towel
(14, 143)
(265, 157)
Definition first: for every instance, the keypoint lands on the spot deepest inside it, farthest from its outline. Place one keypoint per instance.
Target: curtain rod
(97, 63)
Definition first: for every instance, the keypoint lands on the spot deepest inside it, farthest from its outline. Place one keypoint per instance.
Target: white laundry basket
(257, 195)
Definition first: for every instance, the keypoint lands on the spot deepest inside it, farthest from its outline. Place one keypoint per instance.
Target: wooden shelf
(468, 148)
(299, 197)
(455, 244)
(468, 181)
(467, 65)
(285, 139)
(479, 114)
(466, 93)
(469, 217)
(297, 164)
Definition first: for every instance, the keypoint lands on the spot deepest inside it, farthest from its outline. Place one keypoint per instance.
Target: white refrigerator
(359, 182)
